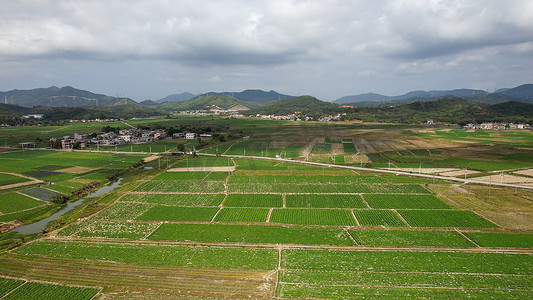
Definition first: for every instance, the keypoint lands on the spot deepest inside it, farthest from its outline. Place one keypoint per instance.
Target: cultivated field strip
(118, 276)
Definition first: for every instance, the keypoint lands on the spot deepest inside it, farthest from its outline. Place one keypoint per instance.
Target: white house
(190, 136)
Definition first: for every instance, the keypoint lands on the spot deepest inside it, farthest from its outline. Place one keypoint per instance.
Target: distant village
(496, 126)
(124, 137)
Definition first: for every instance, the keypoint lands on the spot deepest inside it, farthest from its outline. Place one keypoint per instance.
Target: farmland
(264, 229)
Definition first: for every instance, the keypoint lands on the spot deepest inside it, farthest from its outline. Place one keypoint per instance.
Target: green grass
(35, 290)
(204, 161)
(178, 199)
(213, 257)
(325, 201)
(445, 218)
(332, 217)
(378, 218)
(253, 200)
(176, 213)
(256, 215)
(410, 238)
(404, 201)
(11, 202)
(251, 234)
(502, 239)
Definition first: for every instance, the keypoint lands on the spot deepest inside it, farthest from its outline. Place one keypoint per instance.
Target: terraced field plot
(12, 202)
(177, 213)
(34, 290)
(176, 199)
(410, 238)
(378, 218)
(238, 215)
(502, 239)
(404, 201)
(253, 200)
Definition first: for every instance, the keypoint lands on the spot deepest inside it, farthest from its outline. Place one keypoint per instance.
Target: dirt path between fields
(306, 150)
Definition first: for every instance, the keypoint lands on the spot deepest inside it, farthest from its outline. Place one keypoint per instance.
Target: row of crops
(19, 289)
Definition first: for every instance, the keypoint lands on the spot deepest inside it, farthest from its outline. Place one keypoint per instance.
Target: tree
(180, 147)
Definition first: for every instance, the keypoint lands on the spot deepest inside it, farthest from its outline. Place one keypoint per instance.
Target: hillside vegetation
(205, 102)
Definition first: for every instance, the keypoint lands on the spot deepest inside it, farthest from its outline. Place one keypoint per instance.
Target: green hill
(304, 104)
(205, 103)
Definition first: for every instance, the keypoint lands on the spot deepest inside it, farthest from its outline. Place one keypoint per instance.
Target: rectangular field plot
(404, 201)
(180, 186)
(114, 230)
(321, 149)
(204, 161)
(349, 147)
(325, 201)
(332, 217)
(445, 218)
(182, 199)
(410, 238)
(407, 261)
(378, 218)
(39, 193)
(34, 290)
(253, 200)
(255, 215)
(177, 213)
(10, 179)
(214, 257)
(502, 239)
(11, 202)
(325, 291)
(7, 285)
(328, 188)
(181, 176)
(122, 211)
(251, 234)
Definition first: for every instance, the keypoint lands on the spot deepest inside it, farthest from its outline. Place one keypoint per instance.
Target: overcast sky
(326, 48)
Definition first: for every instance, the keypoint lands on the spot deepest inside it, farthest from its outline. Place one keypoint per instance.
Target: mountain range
(522, 93)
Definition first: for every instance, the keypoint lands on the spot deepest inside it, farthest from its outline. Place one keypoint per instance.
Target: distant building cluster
(106, 139)
(496, 126)
(213, 109)
(300, 117)
(96, 121)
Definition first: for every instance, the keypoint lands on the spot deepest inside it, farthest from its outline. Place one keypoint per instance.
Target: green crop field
(349, 147)
(250, 234)
(10, 179)
(101, 229)
(378, 218)
(404, 201)
(176, 199)
(256, 215)
(123, 211)
(181, 186)
(307, 179)
(177, 213)
(216, 257)
(445, 218)
(333, 217)
(11, 202)
(327, 188)
(325, 201)
(253, 200)
(502, 239)
(182, 176)
(7, 285)
(410, 238)
(35, 290)
(321, 149)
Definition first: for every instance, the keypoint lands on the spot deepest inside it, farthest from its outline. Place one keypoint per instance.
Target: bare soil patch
(150, 158)
(337, 149)
(528, 172)
(78, 180)
(5, 227)
(9, 186)
(76, 170)
(505, 179)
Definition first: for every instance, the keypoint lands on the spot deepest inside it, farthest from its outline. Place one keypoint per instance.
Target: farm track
(120, 276)
(292, 246)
